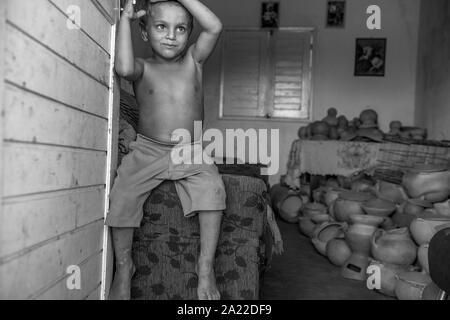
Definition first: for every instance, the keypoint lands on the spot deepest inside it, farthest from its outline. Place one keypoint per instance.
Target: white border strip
(108, 163)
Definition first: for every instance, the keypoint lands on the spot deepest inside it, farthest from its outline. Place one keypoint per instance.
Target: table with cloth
(382, 160)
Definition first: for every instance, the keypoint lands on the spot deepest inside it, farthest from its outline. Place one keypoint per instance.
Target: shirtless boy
(168, 87)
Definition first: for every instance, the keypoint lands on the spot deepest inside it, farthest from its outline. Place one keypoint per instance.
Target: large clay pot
(369, 119)
(348, 204)
(379, 207)
(359, 237)
(428, 182)
(410, 285)
(391, 192)
(389, 276)
(286, 202)
(306, 226)
(338, 252)
(423, 229)
(394, 246)
(326, 232)
(422, 257)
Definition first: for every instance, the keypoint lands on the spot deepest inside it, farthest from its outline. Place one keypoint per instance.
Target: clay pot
(303, 133)
(349, 203)
(338, 252)
(422, 257)
(423, 229)
(359, 237)
(369, 119)
(391, 192)
(379, 207)
(389, 276)
(395, 128)
(326, 232)
(342, 122)
(431, 292)
(394, 246)
(331, 118)
(320, 129)
(410, 285)
(443, 208)
(360, 233)
(428, 182)
(286, 203)
(317, 212)
(306, 226)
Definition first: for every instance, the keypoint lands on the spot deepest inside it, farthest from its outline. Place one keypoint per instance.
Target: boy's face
(168, 29)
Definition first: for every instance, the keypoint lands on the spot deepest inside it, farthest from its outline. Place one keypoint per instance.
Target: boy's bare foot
(207, 288)
(121, 287)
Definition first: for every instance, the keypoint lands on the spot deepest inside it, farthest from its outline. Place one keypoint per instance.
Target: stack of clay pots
(382, 225)
(365, 127)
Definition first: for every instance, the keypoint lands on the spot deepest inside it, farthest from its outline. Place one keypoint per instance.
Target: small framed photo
(336, 14)
(370, 57)
(270, 16)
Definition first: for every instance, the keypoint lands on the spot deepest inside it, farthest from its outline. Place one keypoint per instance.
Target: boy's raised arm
(211, 25)
(126, 65)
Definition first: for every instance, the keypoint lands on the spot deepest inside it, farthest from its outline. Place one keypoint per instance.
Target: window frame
(313, 33)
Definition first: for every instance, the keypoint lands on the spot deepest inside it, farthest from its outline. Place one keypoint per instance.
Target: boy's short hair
(147, 5)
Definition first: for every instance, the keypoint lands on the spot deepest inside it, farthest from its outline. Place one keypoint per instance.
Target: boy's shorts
(199, 186)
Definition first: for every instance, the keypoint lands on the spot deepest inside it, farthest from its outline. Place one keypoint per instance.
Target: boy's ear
(144, 33)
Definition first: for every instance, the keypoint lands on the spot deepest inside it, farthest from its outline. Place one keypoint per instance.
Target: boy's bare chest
(182, 77)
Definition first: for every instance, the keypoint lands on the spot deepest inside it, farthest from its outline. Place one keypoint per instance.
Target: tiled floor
(303, 274)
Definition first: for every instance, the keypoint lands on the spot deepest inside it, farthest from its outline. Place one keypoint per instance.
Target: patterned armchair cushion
(166, 247)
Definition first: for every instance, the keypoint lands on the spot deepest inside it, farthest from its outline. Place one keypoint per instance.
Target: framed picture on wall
(370, 57)
(270, 15)
(336, 14)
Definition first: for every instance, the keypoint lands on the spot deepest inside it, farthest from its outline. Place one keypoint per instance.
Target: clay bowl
(367, 220)
(379, 207)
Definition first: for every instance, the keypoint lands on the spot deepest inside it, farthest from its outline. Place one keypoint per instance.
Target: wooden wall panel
(71, 44)
(92, 20)
(41, 268)
(32, 118)
(28, 221)
(59, 139)
(51, 76)
(53, 169)
(90, 282)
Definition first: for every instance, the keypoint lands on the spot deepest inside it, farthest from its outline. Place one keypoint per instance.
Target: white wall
(433, 81)
(334, 84)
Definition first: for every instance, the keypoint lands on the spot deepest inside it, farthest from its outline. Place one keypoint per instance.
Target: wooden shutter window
(266, 74)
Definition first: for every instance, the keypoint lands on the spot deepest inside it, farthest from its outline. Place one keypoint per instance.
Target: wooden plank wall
(57, 113)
